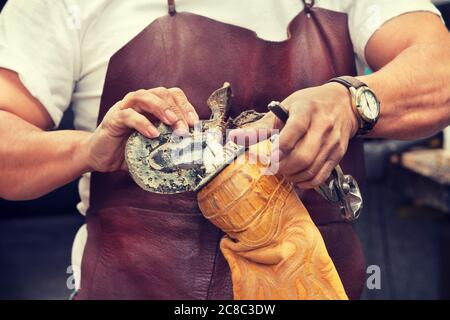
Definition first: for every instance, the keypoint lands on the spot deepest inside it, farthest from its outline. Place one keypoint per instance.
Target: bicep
(16, 99)
(402, 32)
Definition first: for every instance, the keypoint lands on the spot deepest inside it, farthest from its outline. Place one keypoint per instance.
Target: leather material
(273, 248)
(174, 251)
(349, 82)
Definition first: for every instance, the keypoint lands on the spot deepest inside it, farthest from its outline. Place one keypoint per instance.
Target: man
(55, 53)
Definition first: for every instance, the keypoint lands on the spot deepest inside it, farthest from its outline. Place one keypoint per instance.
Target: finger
(186, 107)
(145, 101)
(296, 127)
(259, 153)
(256, 131)
(304, 154)
(130, 118)
(321, 177)
(161, 106)
(173, 112)
(331, 150)
(309, 173)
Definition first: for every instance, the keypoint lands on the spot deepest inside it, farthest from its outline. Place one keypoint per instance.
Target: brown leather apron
(149, 246)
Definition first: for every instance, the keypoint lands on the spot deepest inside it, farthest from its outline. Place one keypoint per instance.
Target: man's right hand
(103, 150)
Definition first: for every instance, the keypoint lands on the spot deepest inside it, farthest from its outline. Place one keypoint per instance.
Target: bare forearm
(34, 162)
(414, 90)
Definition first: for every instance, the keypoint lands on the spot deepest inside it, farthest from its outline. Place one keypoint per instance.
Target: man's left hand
(315, 137)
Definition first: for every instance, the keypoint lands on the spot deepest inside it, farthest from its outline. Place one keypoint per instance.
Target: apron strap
(308, 5)
(172, 7)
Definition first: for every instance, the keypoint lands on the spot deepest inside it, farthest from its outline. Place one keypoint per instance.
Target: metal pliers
(339, 188)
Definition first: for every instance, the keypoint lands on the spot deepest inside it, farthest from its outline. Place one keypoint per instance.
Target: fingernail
(152, 132)
(171, 116)
(193, 118)
(181, 128)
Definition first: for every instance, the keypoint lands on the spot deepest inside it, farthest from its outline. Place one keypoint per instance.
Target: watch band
(351, 82)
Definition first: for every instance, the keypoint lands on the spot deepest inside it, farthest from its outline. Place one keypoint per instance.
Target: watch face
(369, 105)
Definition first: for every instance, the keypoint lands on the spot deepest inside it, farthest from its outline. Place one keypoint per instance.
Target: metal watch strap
(350, 82)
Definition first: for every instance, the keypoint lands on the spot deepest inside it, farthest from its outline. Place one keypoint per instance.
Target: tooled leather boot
(272, 246)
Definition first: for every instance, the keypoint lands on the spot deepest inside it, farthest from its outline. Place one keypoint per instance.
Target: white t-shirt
(61, 48)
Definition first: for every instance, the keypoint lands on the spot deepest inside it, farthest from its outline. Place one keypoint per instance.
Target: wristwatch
(365, 103)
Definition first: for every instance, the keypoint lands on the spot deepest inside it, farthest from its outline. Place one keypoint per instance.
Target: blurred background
(405, 226)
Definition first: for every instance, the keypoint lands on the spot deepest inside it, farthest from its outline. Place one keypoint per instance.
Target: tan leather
(272, 246)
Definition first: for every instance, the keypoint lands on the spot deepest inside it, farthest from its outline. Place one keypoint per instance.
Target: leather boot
(272, 246)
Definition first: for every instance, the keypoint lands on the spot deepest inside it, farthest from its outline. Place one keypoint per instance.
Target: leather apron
(150, 246)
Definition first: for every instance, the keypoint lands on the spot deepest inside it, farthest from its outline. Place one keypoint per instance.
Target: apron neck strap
(171, 6)
(308, 4)
(173, 10)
